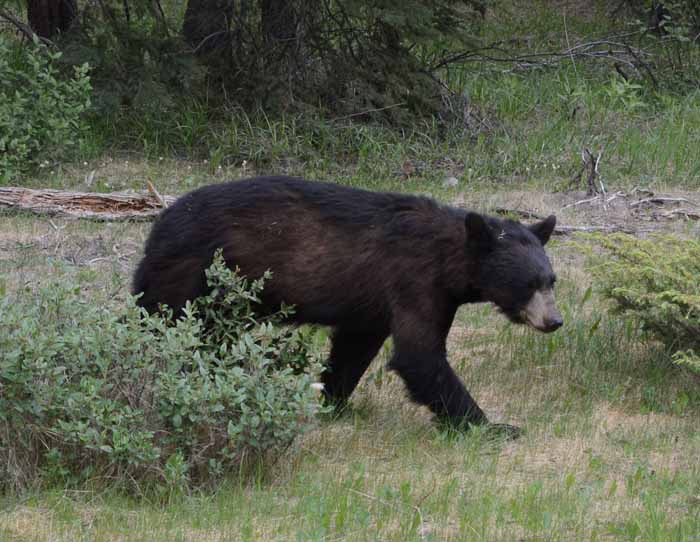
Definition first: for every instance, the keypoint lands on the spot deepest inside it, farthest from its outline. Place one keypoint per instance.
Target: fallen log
(114, 206)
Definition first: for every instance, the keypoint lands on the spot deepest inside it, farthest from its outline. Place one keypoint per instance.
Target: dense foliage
(656, 282)
(90, 391)
(41, 111)
(345, 56)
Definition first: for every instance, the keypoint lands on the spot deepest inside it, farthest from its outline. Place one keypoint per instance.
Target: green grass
(540, 150)
(530, 138)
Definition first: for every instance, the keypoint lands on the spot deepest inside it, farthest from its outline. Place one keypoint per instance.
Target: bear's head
(512, 269)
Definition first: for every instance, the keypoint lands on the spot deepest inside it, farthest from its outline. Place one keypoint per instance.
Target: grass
(534, 129)
(611, 444)
(655, 150)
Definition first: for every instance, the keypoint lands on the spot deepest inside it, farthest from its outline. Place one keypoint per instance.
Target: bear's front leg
(432, 382)
(420, 358)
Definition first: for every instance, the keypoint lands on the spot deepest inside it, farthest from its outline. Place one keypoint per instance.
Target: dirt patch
(31, 248)
(639, 212)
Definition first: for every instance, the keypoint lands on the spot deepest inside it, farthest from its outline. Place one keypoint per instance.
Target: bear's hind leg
(351, 353)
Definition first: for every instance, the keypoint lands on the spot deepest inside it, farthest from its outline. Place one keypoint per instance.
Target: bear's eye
(533, 284)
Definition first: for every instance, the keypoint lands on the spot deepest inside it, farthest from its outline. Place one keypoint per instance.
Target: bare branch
(610, 48)
(23, 28)
(580, 202)
(156, 194)
(592, 164)
(368, 111)
(685, 213)
(660, 201)
(613, 228)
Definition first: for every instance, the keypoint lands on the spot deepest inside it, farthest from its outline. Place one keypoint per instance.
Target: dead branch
(660, 201)
(613, 228)
(613, 48)
(616, 195)
(156, 194)
(369, 111)
(146, 207)
(562, 229)
(581, 202)
(595, 173)
(108, 207)
(685, 213)
(592, 164)
(23, 28)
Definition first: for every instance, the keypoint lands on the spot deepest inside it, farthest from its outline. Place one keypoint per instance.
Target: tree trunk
(277, 20)
(207, 23)
(49, 17)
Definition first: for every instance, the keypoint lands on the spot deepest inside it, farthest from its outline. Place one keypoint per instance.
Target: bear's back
(332, 249)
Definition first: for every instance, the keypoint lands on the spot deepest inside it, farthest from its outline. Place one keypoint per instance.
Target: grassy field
(611, 445)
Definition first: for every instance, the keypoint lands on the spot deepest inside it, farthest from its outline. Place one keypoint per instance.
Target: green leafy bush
(88, 391)
(656, 282)
(40, 111)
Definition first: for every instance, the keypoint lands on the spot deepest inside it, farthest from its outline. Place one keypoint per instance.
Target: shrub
(40, 111)
(88, 391)
(656, 282)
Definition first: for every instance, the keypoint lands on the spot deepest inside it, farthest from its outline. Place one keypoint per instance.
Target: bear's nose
(552, 324)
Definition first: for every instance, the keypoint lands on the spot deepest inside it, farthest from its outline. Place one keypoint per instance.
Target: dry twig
(592, 164)
(156, 194)
(613, 48)
(685, 213)
(581, 202)
(612, 228)
(562, 229)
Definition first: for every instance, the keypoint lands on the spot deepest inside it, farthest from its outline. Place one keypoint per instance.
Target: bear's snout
(541, 312)
(553, 324)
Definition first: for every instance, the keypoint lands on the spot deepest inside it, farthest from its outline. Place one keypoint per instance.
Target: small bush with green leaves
(91, 392)
(656, 282)
(40, 110)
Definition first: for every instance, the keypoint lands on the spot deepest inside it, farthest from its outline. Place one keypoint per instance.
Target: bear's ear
(543, 230)
(479, 235)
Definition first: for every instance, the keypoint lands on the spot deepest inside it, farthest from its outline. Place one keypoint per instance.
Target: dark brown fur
(369, 264)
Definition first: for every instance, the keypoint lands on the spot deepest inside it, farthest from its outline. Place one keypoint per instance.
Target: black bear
(368, 264)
